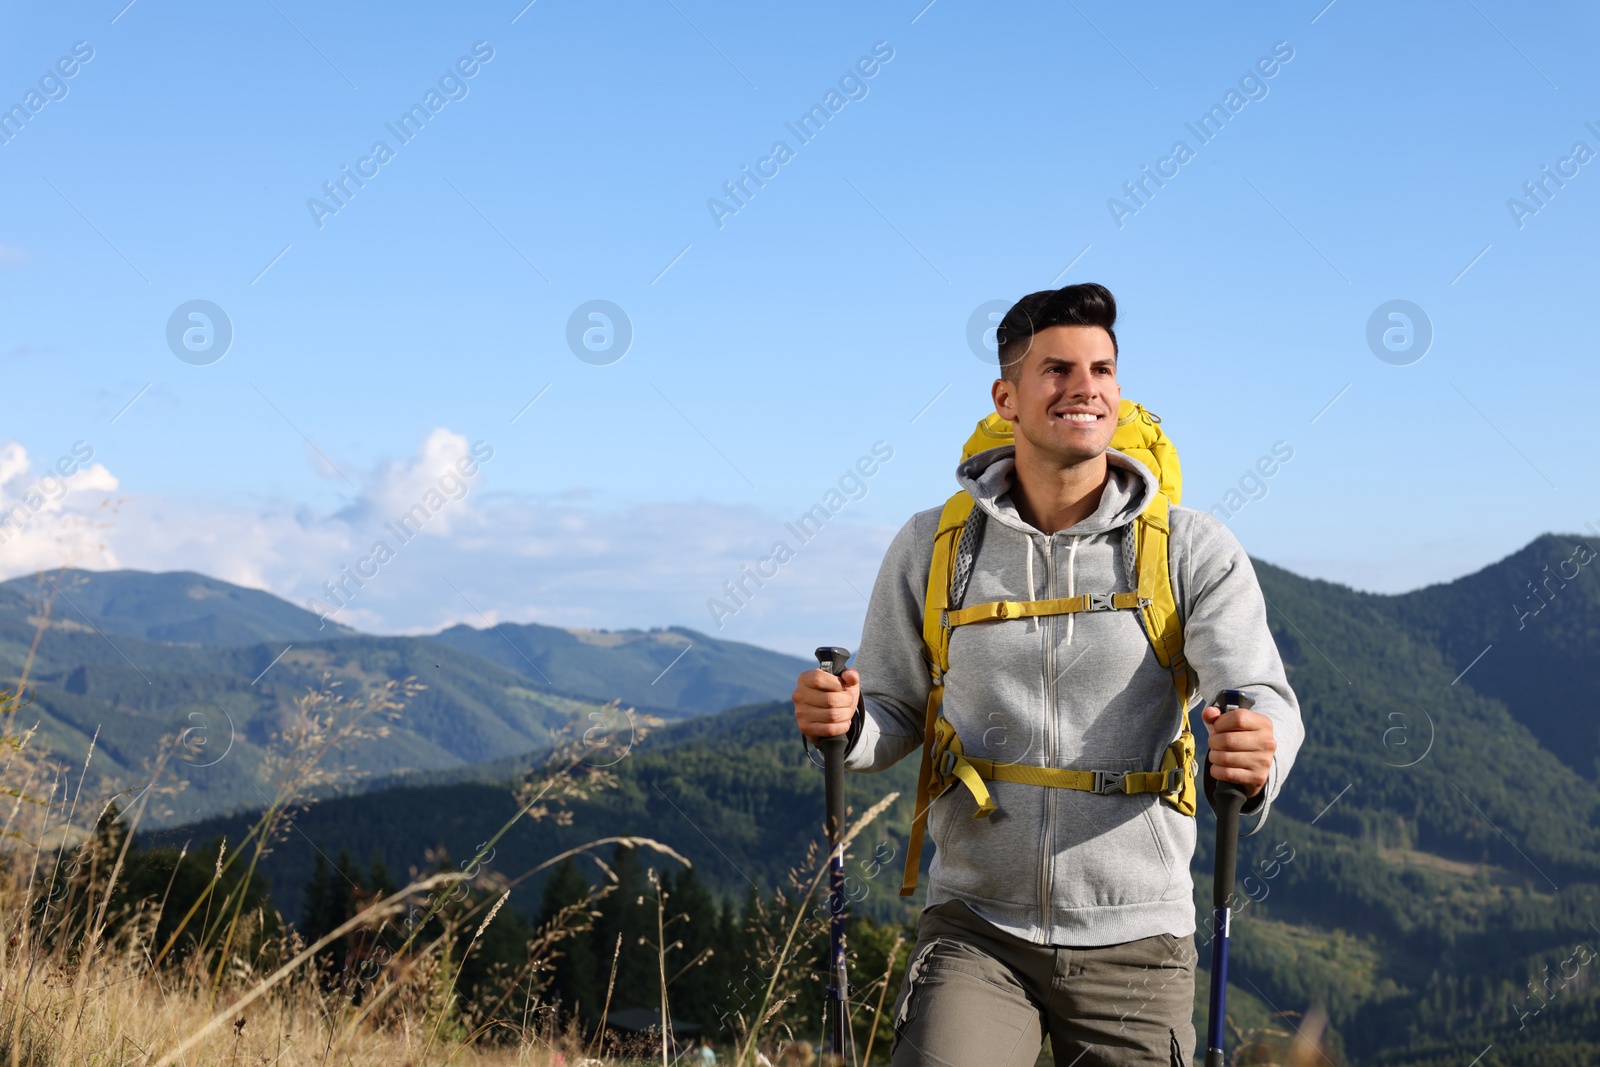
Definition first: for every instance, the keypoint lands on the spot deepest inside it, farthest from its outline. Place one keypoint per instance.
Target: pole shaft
(833, 659)
(1226, 800)
(832, 749)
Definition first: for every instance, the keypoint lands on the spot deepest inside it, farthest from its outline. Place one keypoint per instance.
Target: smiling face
(1062, 396)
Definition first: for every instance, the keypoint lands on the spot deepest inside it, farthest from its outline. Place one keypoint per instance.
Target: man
(1066, 912)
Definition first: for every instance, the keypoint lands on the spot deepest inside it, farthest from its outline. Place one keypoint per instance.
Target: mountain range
(131, 661)
(1429, 876)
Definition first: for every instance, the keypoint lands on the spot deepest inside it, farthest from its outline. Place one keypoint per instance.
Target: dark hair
(1085, 304)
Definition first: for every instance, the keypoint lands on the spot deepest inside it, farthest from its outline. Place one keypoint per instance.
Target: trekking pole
(833, 659)
(1226, 799)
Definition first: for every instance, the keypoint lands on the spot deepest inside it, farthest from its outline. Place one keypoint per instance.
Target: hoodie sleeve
(894, 674)
(1228, 643)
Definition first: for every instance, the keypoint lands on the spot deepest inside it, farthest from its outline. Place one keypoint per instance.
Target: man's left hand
(1240, 747)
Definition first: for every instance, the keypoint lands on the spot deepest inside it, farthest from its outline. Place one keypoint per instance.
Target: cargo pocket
(905, 1005)
(916, 976)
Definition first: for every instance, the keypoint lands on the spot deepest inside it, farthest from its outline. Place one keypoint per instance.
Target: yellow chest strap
(1064, 605)
(951, 765)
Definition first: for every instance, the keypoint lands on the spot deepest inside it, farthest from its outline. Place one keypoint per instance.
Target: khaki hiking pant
(976, 996)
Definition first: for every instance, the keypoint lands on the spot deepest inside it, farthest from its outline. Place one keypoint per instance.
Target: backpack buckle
(1100, 601)
(947, 763)
(1173, 780)
(1106, 782)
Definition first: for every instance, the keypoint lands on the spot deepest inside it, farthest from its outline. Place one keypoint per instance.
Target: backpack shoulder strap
(1152, 532)
(936, 650)
(1163, 625)
(941, 572)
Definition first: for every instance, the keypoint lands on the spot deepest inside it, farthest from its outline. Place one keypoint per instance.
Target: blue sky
(976, 163)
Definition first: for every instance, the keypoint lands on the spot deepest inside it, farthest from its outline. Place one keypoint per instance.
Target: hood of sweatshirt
(988, 476)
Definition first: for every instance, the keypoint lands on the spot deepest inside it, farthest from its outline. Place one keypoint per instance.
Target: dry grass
(85, 977)
(136, 1016)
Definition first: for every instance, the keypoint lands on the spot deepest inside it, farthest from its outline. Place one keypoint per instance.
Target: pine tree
(378, 882)
(313, 906)
(722, 967)
(491, 960)
(630, 911)
(694, 992)
(576, 981)
(329, 901)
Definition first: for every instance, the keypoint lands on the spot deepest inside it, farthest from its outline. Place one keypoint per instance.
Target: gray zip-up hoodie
(1084, 691)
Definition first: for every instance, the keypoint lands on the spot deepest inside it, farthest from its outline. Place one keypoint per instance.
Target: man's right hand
(824, 703)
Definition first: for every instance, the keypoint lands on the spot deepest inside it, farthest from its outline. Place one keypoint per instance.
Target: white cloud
(562, 560)
(53, 515)
(397, 486)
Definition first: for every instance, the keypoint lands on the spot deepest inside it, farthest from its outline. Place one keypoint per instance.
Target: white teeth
(1079, 418)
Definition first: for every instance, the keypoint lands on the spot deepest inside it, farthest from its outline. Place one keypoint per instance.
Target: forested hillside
(1534, 619)
(1430, 877)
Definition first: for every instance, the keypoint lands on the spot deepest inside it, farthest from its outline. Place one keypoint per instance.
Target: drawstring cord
(1072, 555)
(1033, 621)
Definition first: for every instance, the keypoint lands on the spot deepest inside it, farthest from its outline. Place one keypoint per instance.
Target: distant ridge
(178, 607)
(674, 667)
(135, 658)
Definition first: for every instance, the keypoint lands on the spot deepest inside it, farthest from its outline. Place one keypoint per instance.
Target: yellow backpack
(1138, 435)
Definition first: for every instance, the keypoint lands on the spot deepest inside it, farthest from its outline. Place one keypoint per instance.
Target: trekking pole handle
(1226, 800)
(833, 659)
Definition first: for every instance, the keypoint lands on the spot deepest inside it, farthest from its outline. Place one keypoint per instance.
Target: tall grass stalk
(747, 1049)
(888, 972)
